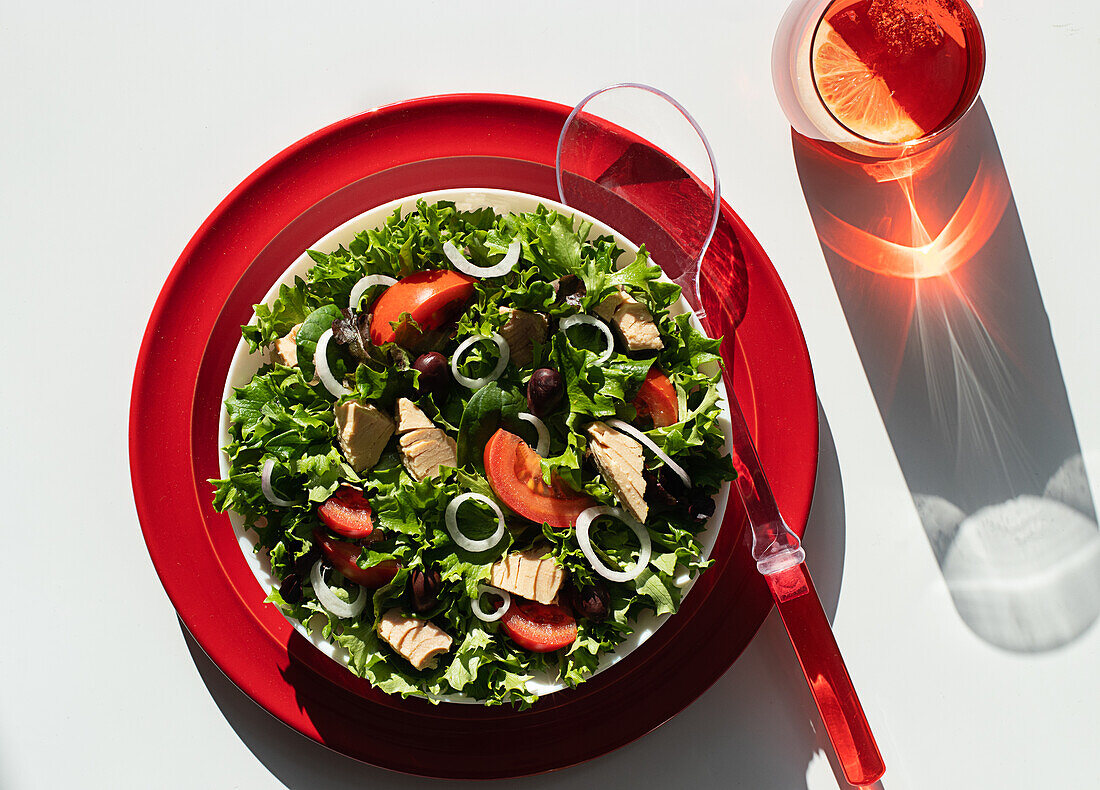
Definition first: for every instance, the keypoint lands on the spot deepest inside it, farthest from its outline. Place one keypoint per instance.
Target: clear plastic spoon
(632, 156)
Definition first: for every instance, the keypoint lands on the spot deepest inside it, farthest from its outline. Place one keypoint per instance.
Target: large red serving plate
(288, 204)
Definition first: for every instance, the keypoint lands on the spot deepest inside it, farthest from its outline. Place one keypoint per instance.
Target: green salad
(480, 447)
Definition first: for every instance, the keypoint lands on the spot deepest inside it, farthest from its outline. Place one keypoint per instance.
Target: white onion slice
(584, 523)
(626, 427)
(320, 363)
(481, 614)
(543, 447)
(265, 485)
(496, 270)
(360, 287)
(338, 607)
(587, 320)
(502, 363)
(451, 517)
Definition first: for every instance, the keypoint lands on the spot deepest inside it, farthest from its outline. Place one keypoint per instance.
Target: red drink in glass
(879, 77)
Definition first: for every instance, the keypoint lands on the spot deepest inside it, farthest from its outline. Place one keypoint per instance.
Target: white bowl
(245, 365)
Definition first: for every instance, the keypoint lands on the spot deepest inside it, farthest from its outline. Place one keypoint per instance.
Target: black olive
(435, 374)
(569, 290)
(424, 589)
(304, 564)
(701, 509)
(591, 601)
(673, 483)
(656, 491)
(291, 588)
(544, 391)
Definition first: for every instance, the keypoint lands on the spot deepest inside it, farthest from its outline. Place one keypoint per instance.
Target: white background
(124, 126)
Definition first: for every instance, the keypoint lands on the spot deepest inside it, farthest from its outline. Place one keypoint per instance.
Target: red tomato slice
(657, 399)
(342, 556)
(515, 473)
(347, 513)
(431, 297)
(540, 628)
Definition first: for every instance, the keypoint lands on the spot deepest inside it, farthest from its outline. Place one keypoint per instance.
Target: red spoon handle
(826, 674)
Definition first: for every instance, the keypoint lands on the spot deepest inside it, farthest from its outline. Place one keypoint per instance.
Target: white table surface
(124, 125)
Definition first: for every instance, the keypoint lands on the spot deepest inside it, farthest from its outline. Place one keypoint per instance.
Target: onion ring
(584, 523)
(335, 606)
(361, 287)
(543, 446)
(265, 486)
(451, 517)
(475, 604)
(502, 363)
(587, 320)
(320, 364)
(496, 270)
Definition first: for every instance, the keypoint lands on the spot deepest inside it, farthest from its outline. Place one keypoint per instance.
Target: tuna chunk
(410, 417)
(424, 447)
(284, 351)
(419, 641)
(633, 321)
(424, 450)
(620, 461)
(363, 432)
(533, 574)
(522, 331)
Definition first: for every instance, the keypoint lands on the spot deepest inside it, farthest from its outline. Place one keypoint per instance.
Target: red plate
(289, 203)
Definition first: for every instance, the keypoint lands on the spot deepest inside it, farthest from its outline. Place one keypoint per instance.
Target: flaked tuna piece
(621, 463)
(424, 450)
(532, 574)
(418, 641)
(362, 431)
(424, 447)
(521, 331)
(632, 320)
(410, 417)
(284, 351)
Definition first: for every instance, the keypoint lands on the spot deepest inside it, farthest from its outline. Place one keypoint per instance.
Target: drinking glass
(880, 78)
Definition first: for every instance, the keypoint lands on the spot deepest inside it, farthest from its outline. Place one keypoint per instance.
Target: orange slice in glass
(858, 98)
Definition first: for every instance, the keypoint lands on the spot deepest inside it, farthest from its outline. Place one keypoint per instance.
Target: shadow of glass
(929, 260)
(757, 727)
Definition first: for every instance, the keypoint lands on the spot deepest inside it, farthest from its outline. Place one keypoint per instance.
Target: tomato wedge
(540, 628)
(347, 513)
(431, 297)
(343, 557)
(656, 398)
(515, 473)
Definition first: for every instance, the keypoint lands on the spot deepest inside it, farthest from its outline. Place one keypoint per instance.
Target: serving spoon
(645, 176)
